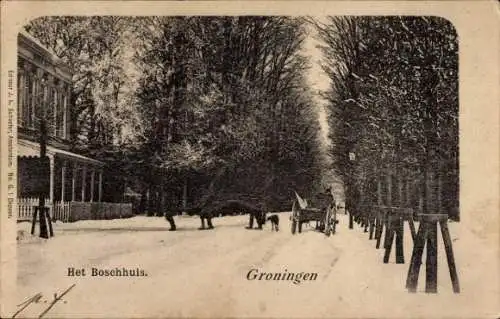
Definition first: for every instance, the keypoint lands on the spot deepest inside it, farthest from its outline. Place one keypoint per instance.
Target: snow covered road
(192, 273)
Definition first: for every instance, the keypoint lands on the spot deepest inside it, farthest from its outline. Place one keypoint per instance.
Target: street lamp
(352, 156)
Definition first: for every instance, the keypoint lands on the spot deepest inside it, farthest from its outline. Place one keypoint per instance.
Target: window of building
(64, 113)
(20, 95)
(31, 91)
(55, 110)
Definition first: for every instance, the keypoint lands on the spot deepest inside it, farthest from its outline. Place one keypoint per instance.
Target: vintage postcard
(250, 159)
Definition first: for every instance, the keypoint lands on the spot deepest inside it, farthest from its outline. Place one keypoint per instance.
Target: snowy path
(195, 273)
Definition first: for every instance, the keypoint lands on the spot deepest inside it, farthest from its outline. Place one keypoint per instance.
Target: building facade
(44, 95)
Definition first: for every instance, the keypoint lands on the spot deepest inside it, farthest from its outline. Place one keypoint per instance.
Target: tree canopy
(192, 104)
(393, 98)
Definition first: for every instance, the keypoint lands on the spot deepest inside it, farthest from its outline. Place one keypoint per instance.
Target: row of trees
(393, 102)
(185, 107)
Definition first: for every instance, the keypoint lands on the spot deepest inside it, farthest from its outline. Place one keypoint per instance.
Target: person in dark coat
(207, 215)
(260, 218)
(170, 218)
(320, 225)
(257, 212)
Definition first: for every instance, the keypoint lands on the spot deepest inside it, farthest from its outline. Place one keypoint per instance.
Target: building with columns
(44, 94)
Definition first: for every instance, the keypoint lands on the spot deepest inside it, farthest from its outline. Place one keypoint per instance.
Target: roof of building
(31, 149)
(26, 39)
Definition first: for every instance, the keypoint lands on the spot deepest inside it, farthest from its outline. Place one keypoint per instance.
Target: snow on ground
(194, 273)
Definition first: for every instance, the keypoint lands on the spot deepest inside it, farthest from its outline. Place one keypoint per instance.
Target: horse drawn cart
(324, 213)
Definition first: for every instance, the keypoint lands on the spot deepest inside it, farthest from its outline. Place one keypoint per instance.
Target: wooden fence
(62, 211)
(26, 208)
(73, 211)
(400, 200)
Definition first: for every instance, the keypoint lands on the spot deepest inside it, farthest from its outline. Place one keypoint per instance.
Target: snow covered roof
(33, 45)
(32, 149)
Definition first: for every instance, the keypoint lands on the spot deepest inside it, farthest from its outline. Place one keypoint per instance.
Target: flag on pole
(302, 202)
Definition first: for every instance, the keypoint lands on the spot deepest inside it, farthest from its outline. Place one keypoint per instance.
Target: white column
(92, 179)
(84, 173)
(35, 92)
(73, 183)
(21, 96)
(51, 185)
(100, 186)
(65, 134)
(55, 105)
(63, 181)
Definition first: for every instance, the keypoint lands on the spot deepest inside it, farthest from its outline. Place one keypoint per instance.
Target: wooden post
(63, 181)
(51, 196)
(408, 204)
(431, 260)
(388, 221)
(379, 222)
(449, 255)
(33, 222)
(365, 211)
(73, 183)
(389, 235)
(394, 230)
(84, 185)
(100, 186)
(92, 182)
(416, 258)
(374, 209)
(41, 203)
(51, 182)
(399, 227)
(428, 222)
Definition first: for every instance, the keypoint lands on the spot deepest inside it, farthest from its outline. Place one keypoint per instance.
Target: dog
(275, 222)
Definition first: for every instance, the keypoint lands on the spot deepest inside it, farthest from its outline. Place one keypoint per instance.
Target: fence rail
(62, 211)
(26, 208)
(73, 211)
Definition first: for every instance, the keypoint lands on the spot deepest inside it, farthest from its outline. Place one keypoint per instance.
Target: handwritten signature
(38, 299)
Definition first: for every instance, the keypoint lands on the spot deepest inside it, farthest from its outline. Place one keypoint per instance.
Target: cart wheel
(295, 210)
(295, 216)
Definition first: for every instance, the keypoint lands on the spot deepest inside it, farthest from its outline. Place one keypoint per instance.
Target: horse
(207, 211)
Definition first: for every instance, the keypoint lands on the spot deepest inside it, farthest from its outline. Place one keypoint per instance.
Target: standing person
(206, 213)
(326, 201)
(260, 218)
(170, 218)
